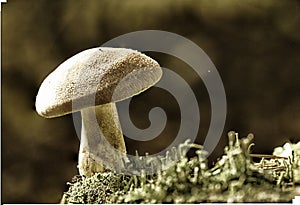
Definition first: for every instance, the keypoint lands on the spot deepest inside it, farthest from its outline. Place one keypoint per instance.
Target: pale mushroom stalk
(110, 129)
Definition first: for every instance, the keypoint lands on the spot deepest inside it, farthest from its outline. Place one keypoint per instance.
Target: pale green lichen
(234, 178)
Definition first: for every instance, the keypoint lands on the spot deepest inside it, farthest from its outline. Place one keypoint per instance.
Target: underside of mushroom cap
(93, 77)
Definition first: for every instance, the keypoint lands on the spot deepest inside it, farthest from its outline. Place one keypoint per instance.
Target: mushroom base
(87, 166)
(102, 143)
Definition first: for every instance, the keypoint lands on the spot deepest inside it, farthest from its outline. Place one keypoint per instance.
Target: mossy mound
(233, 178)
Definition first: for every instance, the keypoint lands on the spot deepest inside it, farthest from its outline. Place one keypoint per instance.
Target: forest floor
(238, 176)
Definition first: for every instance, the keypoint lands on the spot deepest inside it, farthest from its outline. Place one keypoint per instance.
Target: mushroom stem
(94, 143)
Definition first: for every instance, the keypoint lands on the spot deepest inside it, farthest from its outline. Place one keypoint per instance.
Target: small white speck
(208, 71)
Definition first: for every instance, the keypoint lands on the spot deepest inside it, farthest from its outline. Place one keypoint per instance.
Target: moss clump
(234, 178)
(98, 189)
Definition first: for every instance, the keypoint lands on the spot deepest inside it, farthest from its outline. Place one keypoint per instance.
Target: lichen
(234, 178)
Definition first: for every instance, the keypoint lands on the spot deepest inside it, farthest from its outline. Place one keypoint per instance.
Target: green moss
(233, 178)
(100, 188)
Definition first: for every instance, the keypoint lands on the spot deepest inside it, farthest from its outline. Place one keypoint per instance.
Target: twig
(268, 156)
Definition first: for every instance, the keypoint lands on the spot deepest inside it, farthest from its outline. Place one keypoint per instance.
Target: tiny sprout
(246, 143)
(231, 138)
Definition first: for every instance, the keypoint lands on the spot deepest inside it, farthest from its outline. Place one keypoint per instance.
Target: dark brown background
(255, 46)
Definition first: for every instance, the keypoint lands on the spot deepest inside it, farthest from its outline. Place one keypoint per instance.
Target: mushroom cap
(94, 77)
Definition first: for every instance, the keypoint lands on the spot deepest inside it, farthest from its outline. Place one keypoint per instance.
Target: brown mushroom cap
(102, 74)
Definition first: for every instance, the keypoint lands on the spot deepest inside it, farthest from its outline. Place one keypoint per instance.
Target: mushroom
(91, 82)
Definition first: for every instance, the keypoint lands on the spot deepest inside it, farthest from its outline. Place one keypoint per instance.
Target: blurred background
(254, 44)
